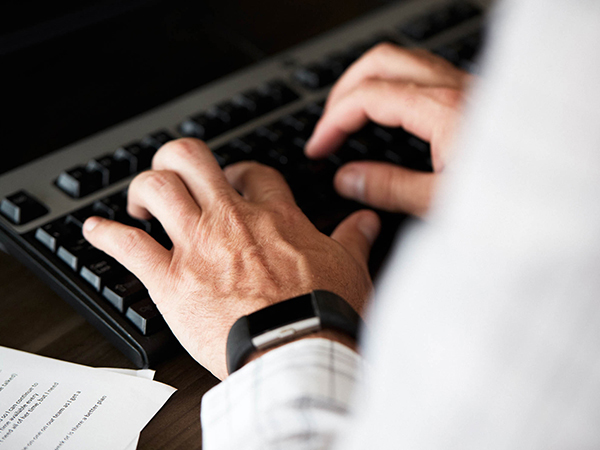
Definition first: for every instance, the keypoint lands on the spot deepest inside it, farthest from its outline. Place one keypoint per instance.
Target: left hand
(232, 254)
(396, 87)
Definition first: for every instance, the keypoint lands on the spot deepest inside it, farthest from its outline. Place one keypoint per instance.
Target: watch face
(280, 314)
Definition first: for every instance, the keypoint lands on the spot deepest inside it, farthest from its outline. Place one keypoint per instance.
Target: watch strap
(336, 314)
(332, 311)
(239, 344)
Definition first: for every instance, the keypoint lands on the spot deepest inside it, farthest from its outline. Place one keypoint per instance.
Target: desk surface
(34, 319)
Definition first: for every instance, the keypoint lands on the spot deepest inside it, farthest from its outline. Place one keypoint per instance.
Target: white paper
(142, 373)
(49, 404)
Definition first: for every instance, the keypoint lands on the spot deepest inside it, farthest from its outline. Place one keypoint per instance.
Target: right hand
(395, 87)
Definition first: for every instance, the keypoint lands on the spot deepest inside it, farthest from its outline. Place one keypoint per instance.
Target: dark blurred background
(72, 68)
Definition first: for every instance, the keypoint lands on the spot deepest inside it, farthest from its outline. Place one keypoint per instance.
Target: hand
(395, 87)
(232, 254)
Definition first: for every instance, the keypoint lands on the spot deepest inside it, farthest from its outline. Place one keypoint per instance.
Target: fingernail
(351, 183)
(91, 223)
(369, 225)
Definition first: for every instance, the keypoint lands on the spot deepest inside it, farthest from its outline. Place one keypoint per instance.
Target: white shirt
(485, 332)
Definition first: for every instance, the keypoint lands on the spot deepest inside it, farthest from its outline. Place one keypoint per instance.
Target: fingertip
(317, 146)
(311, 148)
(91, 223)
(350, 182)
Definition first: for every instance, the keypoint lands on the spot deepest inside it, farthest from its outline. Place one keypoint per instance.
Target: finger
(162, 194)
(423, 111)
(387, 187)
(391, 62)
(195, 164)
(357, 233)
(258, 183)
(132, 247)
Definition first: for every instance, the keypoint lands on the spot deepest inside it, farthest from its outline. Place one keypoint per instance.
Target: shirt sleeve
(294, 397)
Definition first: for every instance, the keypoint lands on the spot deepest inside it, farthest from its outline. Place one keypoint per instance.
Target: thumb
(385, 186)
(357, 233)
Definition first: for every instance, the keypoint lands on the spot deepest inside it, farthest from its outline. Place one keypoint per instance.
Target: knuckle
(410, 94)
(369, 87)
(250, 167)
(384, 190)
(449, 96)
(378, 54)
(129, 241)
(286, 209)
(383, 51)
(156, 180)
(236, 219)
(184, 148)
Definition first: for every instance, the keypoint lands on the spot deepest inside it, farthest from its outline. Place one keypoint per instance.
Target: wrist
(306, 315)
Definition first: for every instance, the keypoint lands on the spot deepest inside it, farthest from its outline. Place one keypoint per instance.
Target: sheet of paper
(49, 404)
(143, 373)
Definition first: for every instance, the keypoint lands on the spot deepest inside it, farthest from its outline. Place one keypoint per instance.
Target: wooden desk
(34, 319)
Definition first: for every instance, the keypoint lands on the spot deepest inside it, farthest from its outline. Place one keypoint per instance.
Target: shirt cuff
(301, 390)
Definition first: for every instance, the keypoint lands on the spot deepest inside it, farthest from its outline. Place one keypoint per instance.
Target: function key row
(239, 110)
(117, 286)
(100, 172)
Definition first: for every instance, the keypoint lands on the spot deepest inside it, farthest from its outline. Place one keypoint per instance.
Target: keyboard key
(100, 269)
(257, 102)
(157, 139)
(202, 126)
(111, 169)
(123, 291)
(21, 208)
(464, 52)
(79, 182)
(279, 93)
(320, 74)
(77, 218)
(271, 133)
(113, 207)
(386, 134)
(76, 252)
(231, 114)
(55, 233)
(418, 145)
(228, 154)
(359, 145)
(137, 156)
(393, 156)
(145, 316)
(426, 26)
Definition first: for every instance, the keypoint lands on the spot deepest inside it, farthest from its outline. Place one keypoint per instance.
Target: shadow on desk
(34, 319)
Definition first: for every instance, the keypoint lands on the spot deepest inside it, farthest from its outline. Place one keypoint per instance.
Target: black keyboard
(270, 123)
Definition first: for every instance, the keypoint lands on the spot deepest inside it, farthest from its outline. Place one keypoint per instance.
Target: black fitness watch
(287, 320)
